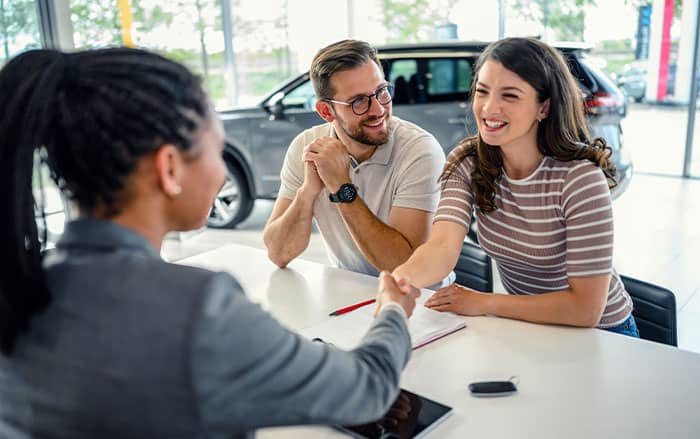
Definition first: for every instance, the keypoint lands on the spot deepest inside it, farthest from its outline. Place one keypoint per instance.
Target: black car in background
(432, 86)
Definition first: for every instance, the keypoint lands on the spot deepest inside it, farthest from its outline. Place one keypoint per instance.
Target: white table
(574, 383)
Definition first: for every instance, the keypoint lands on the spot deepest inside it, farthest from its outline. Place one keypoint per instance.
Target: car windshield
(634, 69)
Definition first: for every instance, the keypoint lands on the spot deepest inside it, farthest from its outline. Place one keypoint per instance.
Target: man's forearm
(287, 236)
(382, 245)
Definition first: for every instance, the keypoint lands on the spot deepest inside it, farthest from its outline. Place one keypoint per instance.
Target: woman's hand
(458, 299)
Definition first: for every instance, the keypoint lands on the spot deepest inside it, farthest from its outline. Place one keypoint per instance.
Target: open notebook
(346, 331)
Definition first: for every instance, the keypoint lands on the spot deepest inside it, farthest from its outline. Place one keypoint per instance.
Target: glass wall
(191, 32)
(19, 28)
(276, 39)
(186, 30)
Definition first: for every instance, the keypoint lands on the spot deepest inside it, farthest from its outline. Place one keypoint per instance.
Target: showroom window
(19, 28)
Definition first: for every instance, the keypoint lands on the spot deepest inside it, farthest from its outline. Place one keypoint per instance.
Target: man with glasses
(368, 179)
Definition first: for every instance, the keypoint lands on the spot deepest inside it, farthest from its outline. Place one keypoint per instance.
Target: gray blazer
(134, 347)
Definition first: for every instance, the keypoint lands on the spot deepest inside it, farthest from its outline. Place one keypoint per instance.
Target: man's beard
(361, 137)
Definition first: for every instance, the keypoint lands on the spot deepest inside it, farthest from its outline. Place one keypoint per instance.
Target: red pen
(341, 311)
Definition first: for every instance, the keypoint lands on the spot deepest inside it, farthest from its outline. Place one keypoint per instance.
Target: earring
(176, 190)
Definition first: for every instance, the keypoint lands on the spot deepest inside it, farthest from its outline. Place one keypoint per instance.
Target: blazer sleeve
(249, 371)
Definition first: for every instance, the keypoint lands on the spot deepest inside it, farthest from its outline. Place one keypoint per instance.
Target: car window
(402, 67)
(603, 83)
(451, 77)
(424, 80)
(585, 81)
(399, 73)
(301, 98)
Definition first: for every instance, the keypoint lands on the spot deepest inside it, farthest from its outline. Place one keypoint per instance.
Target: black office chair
(654, 311)
(473, 268)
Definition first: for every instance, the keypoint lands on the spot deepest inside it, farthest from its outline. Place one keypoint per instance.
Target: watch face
(347, 192)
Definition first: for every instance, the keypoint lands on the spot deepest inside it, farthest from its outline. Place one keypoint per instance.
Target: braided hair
(92, 115)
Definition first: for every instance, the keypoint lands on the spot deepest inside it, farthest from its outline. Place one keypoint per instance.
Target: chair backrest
(473, 268)
(654, 310)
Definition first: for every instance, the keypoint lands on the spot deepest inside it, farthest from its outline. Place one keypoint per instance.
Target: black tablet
(411, 416)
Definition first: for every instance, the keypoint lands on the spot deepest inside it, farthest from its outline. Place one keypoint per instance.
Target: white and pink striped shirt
(555, 224)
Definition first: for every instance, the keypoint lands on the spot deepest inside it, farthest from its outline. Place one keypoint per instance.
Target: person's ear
(544, 110)
(324, 110)
(169, 166)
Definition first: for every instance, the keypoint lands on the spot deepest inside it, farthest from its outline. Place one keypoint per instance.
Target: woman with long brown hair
(540, 190)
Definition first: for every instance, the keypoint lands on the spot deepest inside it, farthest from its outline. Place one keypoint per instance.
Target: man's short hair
(343, 55)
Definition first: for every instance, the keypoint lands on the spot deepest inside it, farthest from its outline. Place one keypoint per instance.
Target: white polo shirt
(401, 173)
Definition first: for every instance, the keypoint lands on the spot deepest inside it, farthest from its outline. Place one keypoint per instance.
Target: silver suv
(432, 85)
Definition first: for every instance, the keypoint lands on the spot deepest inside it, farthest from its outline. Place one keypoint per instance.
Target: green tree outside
(18, 26)
(560, 19)
(413, 21)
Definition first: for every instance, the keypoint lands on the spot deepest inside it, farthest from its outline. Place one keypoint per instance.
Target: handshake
(393, 289)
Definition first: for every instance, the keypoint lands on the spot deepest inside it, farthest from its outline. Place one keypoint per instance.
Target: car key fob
(492, 388)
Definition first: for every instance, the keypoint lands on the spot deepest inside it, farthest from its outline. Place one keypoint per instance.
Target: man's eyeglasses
(362, 104)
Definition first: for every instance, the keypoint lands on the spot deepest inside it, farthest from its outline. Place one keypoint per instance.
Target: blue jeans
(628, 327)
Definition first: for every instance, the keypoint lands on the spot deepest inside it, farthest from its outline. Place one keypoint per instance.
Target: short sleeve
(418, 186)
(587, 210)
(456, 197)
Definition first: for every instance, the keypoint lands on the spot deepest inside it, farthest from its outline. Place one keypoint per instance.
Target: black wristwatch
(346, 194)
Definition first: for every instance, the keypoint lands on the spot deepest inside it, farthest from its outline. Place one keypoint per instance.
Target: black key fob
(492, 388)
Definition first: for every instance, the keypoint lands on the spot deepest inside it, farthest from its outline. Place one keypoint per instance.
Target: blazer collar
(103, 235)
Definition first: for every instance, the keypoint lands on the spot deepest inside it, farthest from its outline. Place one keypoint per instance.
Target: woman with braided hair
(540, 188)
(99, 337)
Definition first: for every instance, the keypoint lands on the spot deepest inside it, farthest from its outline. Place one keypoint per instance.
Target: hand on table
(457, 299)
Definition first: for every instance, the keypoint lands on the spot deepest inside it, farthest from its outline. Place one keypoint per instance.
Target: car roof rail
(564, 46)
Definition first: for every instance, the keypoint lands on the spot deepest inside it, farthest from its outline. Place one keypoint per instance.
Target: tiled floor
(656, 239)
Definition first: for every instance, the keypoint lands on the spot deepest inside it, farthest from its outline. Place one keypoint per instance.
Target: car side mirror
(276, 111)
(274, 106)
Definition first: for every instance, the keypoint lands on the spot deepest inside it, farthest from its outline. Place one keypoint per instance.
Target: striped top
(555, 224)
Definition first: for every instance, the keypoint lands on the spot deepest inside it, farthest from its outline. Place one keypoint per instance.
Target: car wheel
(234, 201)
